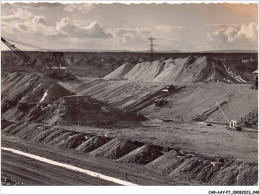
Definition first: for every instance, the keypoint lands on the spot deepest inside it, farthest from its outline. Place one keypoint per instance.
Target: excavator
(233, 125)
(55, 68)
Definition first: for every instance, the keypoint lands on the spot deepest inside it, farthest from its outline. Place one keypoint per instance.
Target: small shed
(255, 80)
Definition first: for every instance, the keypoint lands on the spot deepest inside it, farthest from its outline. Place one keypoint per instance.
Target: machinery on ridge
(56, 68)
(232, 124)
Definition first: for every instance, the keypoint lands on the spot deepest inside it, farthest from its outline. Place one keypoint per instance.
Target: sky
(82, 26)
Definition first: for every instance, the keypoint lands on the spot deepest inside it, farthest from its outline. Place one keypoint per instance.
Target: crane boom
(28, 60)
(222, 110)
(18, 52)
(26, 44)
(57, 60)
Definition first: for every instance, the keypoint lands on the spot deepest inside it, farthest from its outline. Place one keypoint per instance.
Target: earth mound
(5, 123)
(55, 132)
(202, 169)
(186, 70)
(122, 70)
(86, 110)
(25, 89)
(166, 163)
(181, 165)
(62, 136)
(142, 155)
(236, 174)
(114, 149)
(92, 144)
(71, 142)
(36, 98)
(24, 95)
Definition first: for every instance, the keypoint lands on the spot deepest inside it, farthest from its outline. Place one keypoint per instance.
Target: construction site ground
(46, 176)
(190, 101)
(174, 146)
(193, 137)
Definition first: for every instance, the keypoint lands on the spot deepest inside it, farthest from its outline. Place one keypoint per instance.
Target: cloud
(85, 24)
(232, 34)
(93, 30)
(169, 28)
(23, 21)
(249, 31)
(82, 7)
(18, 15)
(39, 20)
(21, 27)
(131, 36)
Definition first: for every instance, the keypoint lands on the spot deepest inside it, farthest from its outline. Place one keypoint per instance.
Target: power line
(25, 44)
(151, 49)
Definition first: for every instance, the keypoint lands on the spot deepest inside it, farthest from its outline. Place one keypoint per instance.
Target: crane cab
(58, 68)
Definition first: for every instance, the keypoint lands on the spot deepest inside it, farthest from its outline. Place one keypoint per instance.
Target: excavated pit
(34, 98)
(175, 163)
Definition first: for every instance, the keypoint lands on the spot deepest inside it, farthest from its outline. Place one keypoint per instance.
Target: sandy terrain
(237, 100)
(114, 124)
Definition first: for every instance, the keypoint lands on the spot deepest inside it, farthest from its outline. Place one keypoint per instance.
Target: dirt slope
(33, 97)
(26, 88)
(237, 100)
(92, 144)
(120, 72)
(186, 70)
(197, 103)
(142, 155)
(180, 164)
(114, 149)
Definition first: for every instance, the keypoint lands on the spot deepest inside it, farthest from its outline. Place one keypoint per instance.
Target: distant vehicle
(160, 102)
(168, 88)
(233, 125)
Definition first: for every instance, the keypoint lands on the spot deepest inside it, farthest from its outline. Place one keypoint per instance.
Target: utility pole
(151, 50)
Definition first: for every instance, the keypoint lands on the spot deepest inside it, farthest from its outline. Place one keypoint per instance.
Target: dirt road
(38, 160)
(39, 173)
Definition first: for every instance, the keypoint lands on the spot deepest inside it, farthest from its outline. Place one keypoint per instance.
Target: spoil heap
(114, 149)
(35, 98)
(86, 110)
(187, 70)
(121, 71)
(24, 90)
(212, 170)
(92, 144)
(142, 155)
(176, 163)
